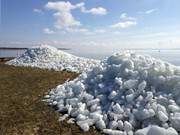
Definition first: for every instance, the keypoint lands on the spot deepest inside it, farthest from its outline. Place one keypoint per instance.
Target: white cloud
(77, 30)
(63, 6)
(64, 17)
(151, 11)
(99, 31)
(48, 31)
(148, 11)
(38, 11)
(95, 11)
(123, 25)
(83, 31)
(126, 22)
(124, 16)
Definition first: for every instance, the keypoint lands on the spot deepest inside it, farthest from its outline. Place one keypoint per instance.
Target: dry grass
(21, 110)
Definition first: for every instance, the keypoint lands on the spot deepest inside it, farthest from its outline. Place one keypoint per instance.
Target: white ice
(48, 57)
(126, 94)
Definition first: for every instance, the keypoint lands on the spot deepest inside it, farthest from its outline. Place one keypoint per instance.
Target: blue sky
(91, 24)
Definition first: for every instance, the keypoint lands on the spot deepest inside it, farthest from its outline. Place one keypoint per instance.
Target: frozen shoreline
(127, 94)
(48, 57)
(169, 55)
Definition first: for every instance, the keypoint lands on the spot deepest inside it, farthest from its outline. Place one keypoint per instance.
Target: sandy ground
(21, 110)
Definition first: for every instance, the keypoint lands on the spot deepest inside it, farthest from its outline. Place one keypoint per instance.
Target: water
(11, 53)
(172, 56)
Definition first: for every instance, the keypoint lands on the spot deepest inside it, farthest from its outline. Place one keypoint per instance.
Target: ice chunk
(96, 116)
(80, 117)
(93, 102)
(54, 103)
(101, 85)
(156, 130)
(175, 120)
(119, 81)
(127, 126)
(112, 95)
(129, 84)
(100, 124)
(171, 131)
(113, 132)
(130, 97)
(113, 125)
(142, 85)
(162, 116)
(48, 57)
(120, 125)
(71, 121)
(84, 126)
(144, 114)
(149, 96)
(117, 109)
(62, 118)
(126, 93)
(143, 131)
(174, 108)
(47, 96)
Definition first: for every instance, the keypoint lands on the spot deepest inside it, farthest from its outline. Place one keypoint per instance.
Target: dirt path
(21, 110)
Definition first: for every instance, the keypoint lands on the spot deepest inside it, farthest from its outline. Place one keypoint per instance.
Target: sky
(91, 25)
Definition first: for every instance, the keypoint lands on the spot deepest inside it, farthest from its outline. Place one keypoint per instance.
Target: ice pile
(127, 94)
(49, 57)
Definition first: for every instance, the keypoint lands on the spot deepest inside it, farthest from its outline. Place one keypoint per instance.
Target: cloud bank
(126, 22)
(63, 14)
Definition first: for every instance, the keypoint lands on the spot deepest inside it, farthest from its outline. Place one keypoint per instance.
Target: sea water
(172, 56)
(169, 55)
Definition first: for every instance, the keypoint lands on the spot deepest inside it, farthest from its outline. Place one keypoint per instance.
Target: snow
(48, 57)
(126, 94)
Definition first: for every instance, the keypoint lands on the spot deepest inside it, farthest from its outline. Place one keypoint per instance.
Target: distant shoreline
(24, 48)
(21, 48)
